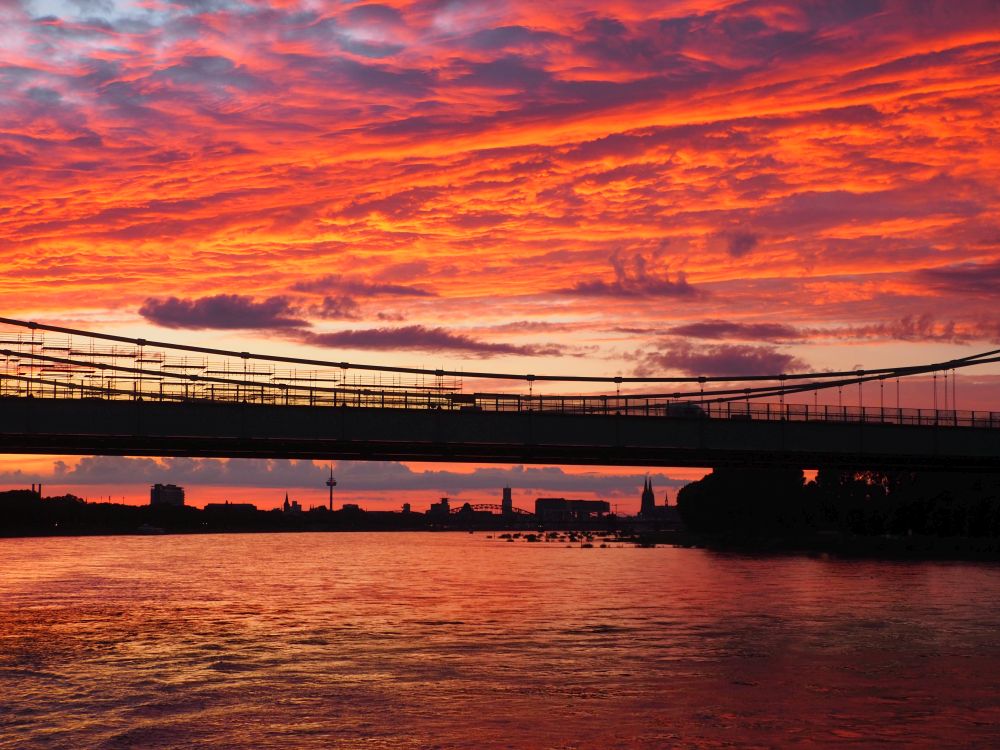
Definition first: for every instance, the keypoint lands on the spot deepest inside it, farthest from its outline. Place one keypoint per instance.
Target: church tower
(648, 507)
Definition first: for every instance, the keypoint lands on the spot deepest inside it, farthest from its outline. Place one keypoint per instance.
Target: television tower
(331, 483)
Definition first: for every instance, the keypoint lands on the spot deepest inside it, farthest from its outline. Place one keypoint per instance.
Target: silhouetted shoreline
(26, 513)
(844, 512)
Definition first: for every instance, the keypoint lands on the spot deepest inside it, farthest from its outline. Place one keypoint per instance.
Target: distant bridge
(65, 391)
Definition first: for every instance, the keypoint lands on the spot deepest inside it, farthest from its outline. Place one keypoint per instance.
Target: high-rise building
(166, 494)
(648, 507)
(507, 503)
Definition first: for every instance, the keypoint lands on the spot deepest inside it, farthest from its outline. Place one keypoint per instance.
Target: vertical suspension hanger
(31, 364)
(139, 364)
(246, 360)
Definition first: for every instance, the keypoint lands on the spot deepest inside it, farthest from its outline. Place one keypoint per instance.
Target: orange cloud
(599, 169)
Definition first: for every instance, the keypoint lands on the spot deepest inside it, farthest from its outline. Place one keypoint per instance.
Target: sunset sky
(689, 187)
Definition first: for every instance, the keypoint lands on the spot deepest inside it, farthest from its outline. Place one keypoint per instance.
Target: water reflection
(451, 640)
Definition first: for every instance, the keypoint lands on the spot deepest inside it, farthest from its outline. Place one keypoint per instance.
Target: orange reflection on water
(456, 640)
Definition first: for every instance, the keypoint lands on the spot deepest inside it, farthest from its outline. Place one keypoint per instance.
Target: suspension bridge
(73, 392)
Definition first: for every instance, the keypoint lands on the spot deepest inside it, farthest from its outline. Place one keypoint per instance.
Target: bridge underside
(148, 428)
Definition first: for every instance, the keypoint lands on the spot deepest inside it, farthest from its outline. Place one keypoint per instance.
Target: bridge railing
(738, 410)
(195, 390)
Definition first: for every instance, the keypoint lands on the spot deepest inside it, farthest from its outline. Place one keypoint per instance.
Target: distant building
(467, 514)
(560, 510)
(406, 508)
(166, 494)
(228, 507)
(648, 507)
(442, 508)
(662, 516)
(351, 508)
(291, 507)
(507, 503)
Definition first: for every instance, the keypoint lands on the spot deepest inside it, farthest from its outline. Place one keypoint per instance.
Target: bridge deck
(766, 434)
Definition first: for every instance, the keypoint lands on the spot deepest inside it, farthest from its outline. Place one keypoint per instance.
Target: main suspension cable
(141, 343)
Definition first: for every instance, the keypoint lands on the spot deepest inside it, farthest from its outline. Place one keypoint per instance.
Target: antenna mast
(331, 483)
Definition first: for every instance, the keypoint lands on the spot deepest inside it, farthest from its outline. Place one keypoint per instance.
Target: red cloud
(822, 167)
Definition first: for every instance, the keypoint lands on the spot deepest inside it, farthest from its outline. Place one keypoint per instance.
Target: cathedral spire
(648, 506)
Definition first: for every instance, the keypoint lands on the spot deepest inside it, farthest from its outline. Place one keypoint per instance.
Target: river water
(459, 641)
